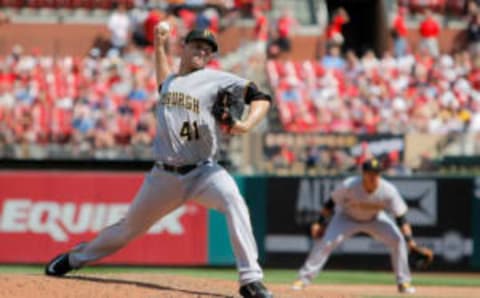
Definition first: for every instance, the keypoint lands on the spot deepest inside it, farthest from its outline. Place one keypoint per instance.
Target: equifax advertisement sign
(45, 213)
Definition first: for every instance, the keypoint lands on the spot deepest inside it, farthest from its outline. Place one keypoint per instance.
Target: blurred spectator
(353, 67)
(399, 32)
(285, 23)
(245, 7)
(429, 33)
(394, 166)
(285, 158)
(143, 136)
(103, 140)
(138, 15)
(333, 58)
(291, 91)
(473, 34)
(260, 31)
(474, 75)
(4, 19)
(119, 26)
(472, 8)
(208, 19)
(188, 18)
(7, 100)
(273, 49)
(138, 91)
(370, 62)
(153, 17)
(82, 122)
(312, 157)
(334, 30)
(125, 124)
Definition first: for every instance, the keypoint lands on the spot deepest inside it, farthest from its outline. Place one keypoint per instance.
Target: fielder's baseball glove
(226, 109)
(421, 257)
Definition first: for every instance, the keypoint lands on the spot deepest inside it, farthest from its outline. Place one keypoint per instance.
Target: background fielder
(184, 170)
(359, 205)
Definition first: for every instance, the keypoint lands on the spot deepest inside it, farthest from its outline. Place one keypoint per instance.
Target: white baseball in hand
(163, 26)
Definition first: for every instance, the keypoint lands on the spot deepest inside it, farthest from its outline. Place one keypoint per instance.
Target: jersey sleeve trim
(253, 93)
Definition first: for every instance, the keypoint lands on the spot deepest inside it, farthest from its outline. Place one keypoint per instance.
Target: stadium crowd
(407, 90)
(102, 105)
(89, 106)
(379, 95)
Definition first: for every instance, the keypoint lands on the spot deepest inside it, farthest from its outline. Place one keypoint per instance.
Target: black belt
(182, 170)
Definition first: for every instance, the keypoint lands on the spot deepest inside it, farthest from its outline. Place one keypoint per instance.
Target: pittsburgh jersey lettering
(178, 99)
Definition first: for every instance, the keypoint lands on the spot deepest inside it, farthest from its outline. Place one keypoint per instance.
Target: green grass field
(276, 275)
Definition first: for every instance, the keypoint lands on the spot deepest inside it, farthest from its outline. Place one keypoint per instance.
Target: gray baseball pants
(162, 192)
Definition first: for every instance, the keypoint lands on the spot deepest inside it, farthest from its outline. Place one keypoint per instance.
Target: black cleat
(59, 266)
(255, 290)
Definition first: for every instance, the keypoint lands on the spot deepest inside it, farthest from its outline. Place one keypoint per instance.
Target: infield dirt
(161, 285)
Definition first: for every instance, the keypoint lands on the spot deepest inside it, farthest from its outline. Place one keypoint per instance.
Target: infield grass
(274, 275)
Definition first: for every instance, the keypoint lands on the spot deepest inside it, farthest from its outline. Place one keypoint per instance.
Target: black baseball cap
(372, 165)
(203, 35)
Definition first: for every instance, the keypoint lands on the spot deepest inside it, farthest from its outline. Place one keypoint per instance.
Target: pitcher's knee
(126, 233)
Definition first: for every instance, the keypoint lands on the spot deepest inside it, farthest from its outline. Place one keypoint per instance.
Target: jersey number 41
(189, 131)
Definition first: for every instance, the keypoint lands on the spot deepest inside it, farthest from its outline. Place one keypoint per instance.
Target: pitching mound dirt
(160, 285)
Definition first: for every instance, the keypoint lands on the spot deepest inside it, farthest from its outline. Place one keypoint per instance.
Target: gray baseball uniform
(358, 211)
(186, 135)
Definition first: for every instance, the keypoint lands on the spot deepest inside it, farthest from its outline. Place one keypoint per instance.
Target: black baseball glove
(226, 109)
(421, 257)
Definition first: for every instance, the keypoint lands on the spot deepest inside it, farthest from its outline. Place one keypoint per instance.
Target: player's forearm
(406, 230)
(162, 69)
(258, 111)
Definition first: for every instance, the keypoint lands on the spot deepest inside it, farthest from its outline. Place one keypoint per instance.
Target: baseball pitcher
(194, 103)
(359, 205)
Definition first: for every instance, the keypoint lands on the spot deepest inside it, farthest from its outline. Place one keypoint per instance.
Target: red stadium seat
(63, 4)
(272, 73)
(37, 4)
(86, 4)
(280, 68)
(13, 3)
(299, 70)
(421, 5)
(456, 7)
(138, 108)
(102, 4)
